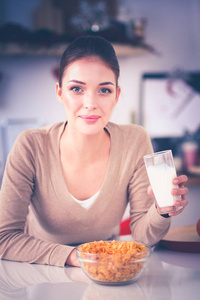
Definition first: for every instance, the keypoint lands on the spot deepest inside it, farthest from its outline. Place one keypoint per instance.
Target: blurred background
(157, 43)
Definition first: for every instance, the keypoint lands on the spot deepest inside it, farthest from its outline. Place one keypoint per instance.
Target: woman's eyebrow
(106, 83)
(77, 81)
(81, 82)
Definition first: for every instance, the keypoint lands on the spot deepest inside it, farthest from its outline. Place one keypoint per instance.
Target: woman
(70, 183)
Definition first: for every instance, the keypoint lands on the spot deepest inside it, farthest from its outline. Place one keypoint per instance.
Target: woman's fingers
(180, 180)
(182, 191)
(150, 191)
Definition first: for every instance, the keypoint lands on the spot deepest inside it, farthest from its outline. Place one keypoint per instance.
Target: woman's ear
(118, 93)
(59, 92)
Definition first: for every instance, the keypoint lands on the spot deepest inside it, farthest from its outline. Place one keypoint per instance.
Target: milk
(161, 177)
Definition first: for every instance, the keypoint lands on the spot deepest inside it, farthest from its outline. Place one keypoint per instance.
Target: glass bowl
(113, 268)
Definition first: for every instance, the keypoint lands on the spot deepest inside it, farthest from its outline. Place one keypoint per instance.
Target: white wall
(27, 87)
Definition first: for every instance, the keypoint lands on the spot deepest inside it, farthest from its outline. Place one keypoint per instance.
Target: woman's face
(89, 94)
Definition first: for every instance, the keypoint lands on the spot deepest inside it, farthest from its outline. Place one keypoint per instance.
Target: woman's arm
(15, 196)
(147, 225)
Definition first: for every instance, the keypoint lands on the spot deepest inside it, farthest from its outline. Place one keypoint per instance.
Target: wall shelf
(16, 49)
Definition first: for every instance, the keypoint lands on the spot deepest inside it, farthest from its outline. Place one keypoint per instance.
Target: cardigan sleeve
(15, 197)
(147, 225)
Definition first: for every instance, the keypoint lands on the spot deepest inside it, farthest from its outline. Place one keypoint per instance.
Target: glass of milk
(161, 172)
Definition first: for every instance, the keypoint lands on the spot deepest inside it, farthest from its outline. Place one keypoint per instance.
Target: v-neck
(110, 180)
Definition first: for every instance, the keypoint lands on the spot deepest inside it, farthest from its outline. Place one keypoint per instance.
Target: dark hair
(88, 46)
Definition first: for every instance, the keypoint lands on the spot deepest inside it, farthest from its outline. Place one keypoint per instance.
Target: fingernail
(177, 203)
(174, 192)
(176, 181)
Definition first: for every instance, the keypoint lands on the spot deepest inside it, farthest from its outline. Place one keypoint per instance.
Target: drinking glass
(161, 172)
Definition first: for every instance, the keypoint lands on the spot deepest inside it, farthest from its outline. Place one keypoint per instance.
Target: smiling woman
(88, 97)
(69, 183)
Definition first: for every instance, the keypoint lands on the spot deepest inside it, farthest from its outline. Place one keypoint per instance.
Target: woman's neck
(85, 147)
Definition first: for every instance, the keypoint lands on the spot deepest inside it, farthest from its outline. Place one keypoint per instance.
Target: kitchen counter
(169, 275)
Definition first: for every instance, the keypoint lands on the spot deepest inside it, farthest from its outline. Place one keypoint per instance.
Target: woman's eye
(105, 91)
(76, 89)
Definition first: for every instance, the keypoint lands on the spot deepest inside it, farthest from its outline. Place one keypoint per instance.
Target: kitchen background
(158, 46)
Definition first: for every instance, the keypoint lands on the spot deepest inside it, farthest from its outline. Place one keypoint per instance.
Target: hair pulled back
(88, 46)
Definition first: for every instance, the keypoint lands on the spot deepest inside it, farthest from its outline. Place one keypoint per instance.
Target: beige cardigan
(39, 220)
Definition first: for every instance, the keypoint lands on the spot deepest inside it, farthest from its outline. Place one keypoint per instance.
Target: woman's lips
(90, 119)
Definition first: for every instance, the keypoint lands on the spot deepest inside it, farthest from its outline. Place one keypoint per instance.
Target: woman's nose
(89, 102)
(89, 106)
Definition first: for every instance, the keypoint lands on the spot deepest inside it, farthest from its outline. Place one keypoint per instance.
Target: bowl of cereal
(113, 262)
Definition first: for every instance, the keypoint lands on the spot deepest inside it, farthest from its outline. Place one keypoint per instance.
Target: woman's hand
(181, 191)
(72, 259)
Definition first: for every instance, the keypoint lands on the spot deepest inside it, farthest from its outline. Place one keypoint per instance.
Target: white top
(87, 202)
